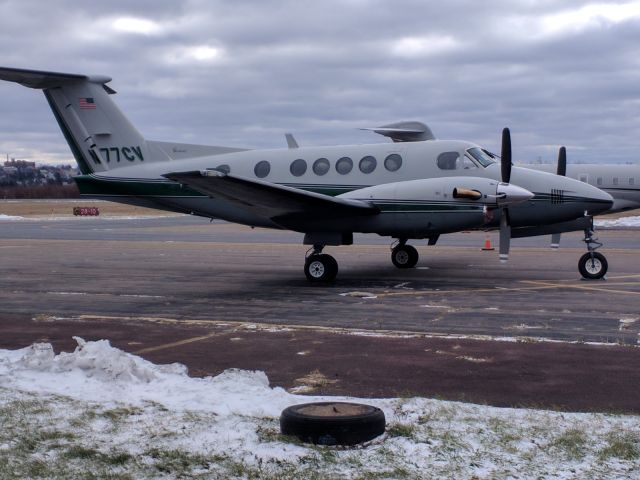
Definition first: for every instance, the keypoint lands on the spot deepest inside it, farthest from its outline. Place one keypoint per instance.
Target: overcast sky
(242, 73)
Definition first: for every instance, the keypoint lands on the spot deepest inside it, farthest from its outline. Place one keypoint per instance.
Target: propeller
(505, 156)
(505, 170)
(562, 162)
(562, 171)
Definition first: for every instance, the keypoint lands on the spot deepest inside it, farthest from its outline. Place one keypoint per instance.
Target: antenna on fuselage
(291, 141)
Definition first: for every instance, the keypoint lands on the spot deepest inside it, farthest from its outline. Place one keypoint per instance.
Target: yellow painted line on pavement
(584, 287)
(175, 344)
(623, 276)
(477, 290)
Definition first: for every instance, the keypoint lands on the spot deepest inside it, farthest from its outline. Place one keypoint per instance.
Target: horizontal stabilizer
(404, 131)
(42, 80)
(179, 151)
(270, 200)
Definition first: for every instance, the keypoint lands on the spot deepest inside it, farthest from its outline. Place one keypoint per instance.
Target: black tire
(404, 256)
(593, 268)
(320, 268)
(333, 423)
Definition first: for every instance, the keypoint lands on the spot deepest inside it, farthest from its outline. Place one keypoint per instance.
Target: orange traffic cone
(487, 244)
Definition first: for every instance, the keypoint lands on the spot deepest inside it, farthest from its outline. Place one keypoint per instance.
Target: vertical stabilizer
(99, 134)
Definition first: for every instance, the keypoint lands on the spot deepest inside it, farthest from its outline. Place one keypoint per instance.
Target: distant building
(24, 173)
(19, 163)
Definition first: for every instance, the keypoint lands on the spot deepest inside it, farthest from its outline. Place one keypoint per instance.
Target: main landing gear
(592, 265)
(403, 255)
(320, 267)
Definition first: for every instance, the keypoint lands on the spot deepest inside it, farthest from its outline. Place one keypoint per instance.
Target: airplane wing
(277, 202)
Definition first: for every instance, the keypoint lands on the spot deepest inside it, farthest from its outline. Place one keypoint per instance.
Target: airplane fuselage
(421, 211)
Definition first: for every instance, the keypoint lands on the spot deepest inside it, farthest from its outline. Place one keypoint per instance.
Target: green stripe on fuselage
(427, 207)
(89, 185)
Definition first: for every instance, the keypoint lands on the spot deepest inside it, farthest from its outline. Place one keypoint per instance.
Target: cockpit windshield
(483, 157)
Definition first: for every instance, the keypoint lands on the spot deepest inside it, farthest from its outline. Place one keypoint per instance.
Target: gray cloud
(242, 73)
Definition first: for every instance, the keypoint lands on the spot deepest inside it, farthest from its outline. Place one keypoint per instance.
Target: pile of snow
(103, 410)
(98, 372)
(9, 218)
(628, 222)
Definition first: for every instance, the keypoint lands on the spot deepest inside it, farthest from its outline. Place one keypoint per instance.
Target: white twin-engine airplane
(414, 188)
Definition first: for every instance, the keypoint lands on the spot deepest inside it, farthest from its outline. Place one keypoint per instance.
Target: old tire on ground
(593, 268)
(332, 423)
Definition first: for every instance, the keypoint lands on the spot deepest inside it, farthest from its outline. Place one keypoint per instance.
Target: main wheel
(333, 423)
(320, 268)
(404, 256)
(593, 267)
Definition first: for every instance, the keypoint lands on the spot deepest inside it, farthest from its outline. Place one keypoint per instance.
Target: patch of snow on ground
(629, 222)
(9, 218)
(103, 410)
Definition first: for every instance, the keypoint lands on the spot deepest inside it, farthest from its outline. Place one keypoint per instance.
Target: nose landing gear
(592, 265)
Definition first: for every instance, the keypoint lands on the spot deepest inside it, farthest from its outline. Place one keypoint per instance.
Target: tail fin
(98, 133)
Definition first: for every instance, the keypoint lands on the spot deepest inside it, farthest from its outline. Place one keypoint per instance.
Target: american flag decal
(87, 103)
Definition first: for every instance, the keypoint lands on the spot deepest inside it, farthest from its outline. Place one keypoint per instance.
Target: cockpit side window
(483, 157)
(448, 160)
(468, 163)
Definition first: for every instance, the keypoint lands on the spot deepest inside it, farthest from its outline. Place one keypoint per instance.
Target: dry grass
(62, 208)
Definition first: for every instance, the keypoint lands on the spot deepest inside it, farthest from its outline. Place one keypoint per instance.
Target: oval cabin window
(393, 162)
(298, 167)
(321, 166)
(344, 165)
(262, 169)
(368, 164)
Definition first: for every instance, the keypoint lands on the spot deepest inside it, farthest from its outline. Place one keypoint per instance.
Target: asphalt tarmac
(214, 296)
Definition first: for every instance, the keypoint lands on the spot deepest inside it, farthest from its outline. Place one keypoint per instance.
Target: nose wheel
(404, 256)
(592, 265)
(320, 267)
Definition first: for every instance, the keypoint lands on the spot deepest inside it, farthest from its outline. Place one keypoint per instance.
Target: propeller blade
(555, 239)
(562, 162)
(505, 235)
(505, 156)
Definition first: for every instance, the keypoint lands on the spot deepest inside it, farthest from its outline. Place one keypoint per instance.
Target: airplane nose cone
(598, 201)
(508, 193)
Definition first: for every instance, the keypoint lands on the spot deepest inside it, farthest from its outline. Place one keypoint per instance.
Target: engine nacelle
(479, 190)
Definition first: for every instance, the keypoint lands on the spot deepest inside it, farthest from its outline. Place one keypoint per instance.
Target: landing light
(212, 172)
